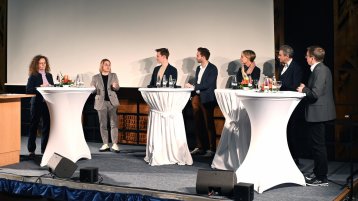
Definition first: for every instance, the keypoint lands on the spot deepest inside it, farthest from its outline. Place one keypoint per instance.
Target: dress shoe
(317, 182)
(104, 148)
(209, 153)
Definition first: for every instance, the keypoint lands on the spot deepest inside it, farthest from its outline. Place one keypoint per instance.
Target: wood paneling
(345, 72)
(10, 124)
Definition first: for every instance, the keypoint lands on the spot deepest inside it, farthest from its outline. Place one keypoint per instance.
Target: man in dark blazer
(203, 103)
(290, 74)
(320, 108)
(165, 69)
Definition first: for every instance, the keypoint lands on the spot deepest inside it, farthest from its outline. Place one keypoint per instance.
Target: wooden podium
(10, 127)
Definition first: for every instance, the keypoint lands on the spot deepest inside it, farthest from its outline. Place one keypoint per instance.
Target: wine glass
(256, 83)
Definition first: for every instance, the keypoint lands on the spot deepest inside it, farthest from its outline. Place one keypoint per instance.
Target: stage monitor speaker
(61, 166)
(89, 174)
(218, 182)
(244, 192)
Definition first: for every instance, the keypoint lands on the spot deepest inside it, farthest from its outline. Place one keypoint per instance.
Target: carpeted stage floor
(128, 169)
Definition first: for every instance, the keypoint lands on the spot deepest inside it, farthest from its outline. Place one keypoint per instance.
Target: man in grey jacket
(320, 108)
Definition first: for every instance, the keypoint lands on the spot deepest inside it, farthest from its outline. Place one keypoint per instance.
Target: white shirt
(313, 66)
(200, 75)
(286, 66)
(201, 72)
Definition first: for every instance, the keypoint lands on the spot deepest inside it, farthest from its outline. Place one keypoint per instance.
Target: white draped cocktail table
(235, 137)
(268, 162)
(166, 137)
(66, 137)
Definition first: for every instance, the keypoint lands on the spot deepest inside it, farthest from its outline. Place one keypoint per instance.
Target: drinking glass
(174, 82)
(233, 82)
(274, 86)
(278, 85)
(79, 81)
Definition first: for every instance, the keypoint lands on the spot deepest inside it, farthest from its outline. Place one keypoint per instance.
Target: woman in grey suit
(106, 103)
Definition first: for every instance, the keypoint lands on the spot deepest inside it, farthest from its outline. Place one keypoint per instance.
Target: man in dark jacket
(320, 108)
(290, 74)
(204, 102)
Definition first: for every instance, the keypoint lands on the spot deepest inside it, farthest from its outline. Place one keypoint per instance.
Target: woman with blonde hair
(106, 103)
(249, 67)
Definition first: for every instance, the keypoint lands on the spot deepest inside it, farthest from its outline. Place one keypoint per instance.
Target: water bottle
(266, 84)
(158, 82)
(77, 81)
(274, 88)
(233, 82)
(165, 81)
(171, 81)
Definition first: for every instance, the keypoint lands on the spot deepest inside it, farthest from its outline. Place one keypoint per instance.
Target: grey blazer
(319, 95)
(97, 82)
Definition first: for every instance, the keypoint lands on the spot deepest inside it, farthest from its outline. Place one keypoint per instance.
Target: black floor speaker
(244, 192)
(61, 166)
(218, 182)
(89, 174)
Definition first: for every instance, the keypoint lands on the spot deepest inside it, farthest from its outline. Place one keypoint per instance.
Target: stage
(127, 172)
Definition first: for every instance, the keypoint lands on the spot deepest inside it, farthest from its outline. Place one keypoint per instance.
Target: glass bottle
(170, 81)
(233, 82)
(158, 82)
(164, 81)
(274, 88)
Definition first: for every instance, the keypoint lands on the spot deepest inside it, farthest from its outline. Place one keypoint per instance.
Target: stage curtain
(64, 193)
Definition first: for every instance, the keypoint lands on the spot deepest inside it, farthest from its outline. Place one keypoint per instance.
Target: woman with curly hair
(39, 76)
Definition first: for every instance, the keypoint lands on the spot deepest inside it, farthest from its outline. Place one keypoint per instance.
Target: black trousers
(319, 150)
(38, 110)
(293, 129)
(204, 121)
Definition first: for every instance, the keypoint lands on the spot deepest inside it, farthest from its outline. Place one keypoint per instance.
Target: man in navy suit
(320, 109)
(203, 103)
(290, 74)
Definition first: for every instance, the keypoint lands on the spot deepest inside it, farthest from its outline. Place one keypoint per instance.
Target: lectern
(10, 127)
